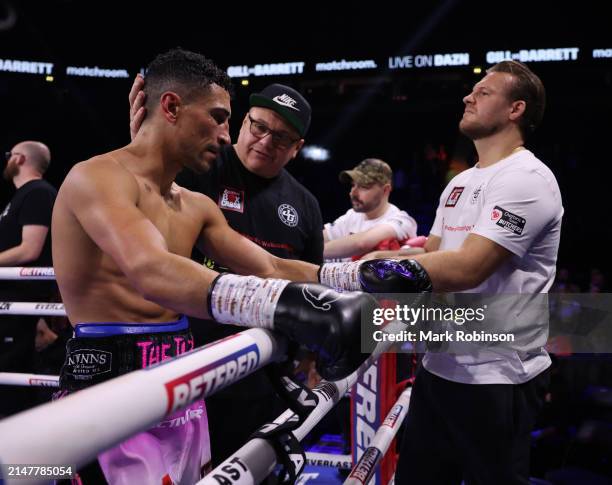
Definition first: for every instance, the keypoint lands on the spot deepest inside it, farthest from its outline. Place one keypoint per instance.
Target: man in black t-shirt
(24, 241)
(266, 204)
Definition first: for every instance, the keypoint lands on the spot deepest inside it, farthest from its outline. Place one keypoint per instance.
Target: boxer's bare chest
(174, 215)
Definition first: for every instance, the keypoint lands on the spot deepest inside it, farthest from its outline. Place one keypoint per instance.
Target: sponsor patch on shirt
(231, 199)
(508, 220)
(288, 215)
(476, 194)
(453, 198)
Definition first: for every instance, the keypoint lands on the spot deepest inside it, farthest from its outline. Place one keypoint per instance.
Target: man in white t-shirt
(372, 219)
(497, 230)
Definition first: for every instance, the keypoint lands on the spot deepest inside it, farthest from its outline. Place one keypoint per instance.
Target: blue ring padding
(100, 329)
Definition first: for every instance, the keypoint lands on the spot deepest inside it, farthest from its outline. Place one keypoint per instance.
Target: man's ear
(297, 148)
(170, 104)
(517, 109)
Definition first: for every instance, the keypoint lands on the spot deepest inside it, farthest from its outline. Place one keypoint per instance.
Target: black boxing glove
(377, 276)
(392, 276)
(313, 315)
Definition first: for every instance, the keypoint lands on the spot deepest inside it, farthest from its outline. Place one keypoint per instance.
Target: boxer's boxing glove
(377, 276)
(313, 315)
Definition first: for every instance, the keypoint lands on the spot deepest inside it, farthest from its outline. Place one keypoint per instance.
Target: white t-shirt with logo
(352, 222)
(516, 203)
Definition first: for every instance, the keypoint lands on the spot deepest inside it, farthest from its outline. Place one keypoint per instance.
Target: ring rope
(342, 462)
(252, 463)
(27, 273)
(364, 469)
(39, 308)
(110, 412)
(19, 379)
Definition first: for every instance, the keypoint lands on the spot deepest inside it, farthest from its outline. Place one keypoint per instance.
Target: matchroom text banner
(460, 323)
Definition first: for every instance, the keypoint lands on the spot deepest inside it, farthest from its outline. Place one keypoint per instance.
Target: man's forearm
(449, 270)
(394, 254)
(295, 270)
(344, 247)
(17, 255)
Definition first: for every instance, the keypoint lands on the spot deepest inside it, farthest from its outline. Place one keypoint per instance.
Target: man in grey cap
(263, 202)
(372, 219)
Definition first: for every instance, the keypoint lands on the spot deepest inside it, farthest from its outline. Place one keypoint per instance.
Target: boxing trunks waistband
(102, 351)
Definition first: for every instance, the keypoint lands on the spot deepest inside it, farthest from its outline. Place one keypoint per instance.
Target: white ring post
(75, 429)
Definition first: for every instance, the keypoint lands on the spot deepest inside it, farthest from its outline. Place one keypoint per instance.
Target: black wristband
(209, 295)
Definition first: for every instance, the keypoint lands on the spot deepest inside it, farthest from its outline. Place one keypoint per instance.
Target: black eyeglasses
(279, 139)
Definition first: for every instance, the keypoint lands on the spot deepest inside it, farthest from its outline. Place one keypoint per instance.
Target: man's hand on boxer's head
(137, 98)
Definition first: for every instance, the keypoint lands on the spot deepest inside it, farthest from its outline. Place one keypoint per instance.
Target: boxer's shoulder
(99, 174)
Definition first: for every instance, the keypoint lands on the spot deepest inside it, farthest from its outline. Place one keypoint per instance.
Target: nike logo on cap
(285, 100)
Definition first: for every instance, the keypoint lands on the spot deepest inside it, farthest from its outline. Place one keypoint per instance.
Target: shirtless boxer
(122, 235)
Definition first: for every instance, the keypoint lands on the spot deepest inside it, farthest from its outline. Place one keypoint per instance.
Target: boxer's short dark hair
(187, 73)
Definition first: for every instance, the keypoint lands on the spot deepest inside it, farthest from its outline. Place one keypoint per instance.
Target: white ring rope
(77, 428)
(32, 308)
(26, 273)
(252, 463)
(29, 308)
(364, 469)
(18, 379)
